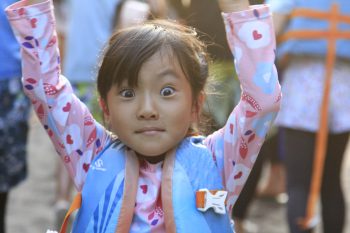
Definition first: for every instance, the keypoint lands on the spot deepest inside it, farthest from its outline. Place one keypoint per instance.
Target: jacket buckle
(215, 199)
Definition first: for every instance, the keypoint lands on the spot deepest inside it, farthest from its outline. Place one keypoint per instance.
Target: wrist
(233, 5)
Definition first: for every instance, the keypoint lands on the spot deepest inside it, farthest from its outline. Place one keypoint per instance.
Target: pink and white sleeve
(76, 136)
(235, 147)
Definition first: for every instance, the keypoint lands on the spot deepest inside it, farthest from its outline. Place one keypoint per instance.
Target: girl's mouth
(149, 130)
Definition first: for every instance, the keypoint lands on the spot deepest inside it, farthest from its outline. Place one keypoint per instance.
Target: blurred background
(40, 202)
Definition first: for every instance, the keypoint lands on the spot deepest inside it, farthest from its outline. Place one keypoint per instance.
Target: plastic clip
(215, 199)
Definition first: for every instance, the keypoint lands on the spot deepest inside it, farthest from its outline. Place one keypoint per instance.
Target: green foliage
(223, 91)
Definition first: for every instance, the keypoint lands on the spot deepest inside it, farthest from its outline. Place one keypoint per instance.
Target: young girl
(150, 171)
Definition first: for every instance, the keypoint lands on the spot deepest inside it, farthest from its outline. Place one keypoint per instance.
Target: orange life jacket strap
(322, 15)
(335, 16)
(312, 35)
(74, 206)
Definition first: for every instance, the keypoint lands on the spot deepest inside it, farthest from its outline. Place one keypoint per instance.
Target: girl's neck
(152, 159)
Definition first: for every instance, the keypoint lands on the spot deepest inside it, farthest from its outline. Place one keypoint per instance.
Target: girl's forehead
(163, 56)
(161, 66)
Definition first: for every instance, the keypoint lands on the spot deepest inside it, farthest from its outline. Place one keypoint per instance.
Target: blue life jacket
(316, 46)
(107, 207)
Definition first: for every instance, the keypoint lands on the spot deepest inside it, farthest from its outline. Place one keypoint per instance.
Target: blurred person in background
(14, 112)
(303, 63)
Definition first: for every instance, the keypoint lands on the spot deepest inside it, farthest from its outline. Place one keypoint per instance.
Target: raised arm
(235, 147)
(69, 124)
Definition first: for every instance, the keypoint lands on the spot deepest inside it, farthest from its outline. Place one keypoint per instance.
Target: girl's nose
(147, 109)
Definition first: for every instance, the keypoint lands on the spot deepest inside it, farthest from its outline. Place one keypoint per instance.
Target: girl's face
(154, 116)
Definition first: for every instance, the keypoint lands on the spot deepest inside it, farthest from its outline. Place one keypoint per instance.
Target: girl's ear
(197, 106)
(104, 107)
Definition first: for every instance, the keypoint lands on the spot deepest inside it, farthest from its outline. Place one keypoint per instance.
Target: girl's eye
(167, 91)
(127, 93)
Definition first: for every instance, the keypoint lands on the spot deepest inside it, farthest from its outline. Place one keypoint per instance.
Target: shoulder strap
(125, 217)
(166, 192)
(74, 206)
(132, 168)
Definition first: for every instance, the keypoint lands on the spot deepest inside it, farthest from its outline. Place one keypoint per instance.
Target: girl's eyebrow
(168, 72)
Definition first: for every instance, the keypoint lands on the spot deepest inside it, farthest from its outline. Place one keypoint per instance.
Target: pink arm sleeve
(76, 136)
(235, 147)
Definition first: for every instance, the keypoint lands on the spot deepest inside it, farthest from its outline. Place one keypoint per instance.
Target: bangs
(128, 53)
(130, 48)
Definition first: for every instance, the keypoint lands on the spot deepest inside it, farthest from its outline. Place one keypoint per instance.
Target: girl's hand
(233, 5)
(32, 2)
(279, 22)
(159, 8)
(132, 13)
